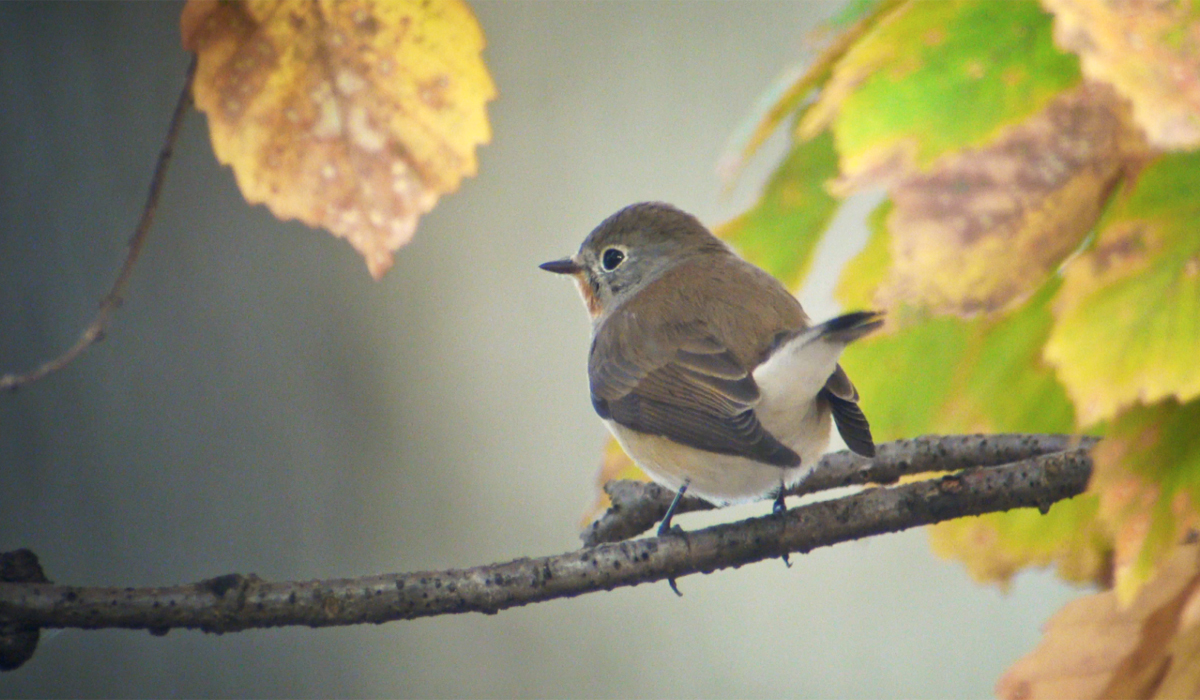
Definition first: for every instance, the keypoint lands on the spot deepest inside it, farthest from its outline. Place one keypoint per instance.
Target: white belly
(727, 479)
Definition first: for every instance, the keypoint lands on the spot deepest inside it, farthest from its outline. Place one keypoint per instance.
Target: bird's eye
(611, 259)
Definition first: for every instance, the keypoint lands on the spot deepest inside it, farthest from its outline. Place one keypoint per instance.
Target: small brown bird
(703, 366)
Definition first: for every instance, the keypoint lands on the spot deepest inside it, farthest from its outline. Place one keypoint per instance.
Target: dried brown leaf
(1147, 474)
(1095, 648)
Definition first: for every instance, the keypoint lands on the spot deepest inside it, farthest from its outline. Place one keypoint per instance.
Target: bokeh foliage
(1038, 255)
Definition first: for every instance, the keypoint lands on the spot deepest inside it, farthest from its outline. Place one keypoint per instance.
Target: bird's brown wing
(851, 423)
(681, 383)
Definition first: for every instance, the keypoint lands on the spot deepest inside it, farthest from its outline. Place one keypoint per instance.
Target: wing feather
(851, 422)
(701, 399)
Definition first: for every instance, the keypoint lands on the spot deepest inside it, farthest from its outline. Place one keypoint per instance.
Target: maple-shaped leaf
(1147, 475)
(350, 115)
(933, 77)
(1149, 51)
(1094, 647)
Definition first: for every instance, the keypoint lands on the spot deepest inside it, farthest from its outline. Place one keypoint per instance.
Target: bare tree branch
(112, 301)
(637, 506)
(237, 602)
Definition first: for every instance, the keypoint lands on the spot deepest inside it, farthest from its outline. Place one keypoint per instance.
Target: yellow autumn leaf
(1002, 386)
(1148, 51)
(350, 115)
(984, 227)
(994, 382)
(994, 547)
(1096, 648)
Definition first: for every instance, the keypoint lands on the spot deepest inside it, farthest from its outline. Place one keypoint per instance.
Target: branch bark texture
(237, 602)
(638, 506)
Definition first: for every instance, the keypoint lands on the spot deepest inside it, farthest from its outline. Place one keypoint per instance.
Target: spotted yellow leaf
(351, 115)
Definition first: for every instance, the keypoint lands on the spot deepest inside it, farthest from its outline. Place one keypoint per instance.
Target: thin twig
(237, 602)
(112, 301)
(637, 505)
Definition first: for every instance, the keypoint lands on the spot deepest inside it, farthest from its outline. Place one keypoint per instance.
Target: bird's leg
(665, 526)
(779, 508)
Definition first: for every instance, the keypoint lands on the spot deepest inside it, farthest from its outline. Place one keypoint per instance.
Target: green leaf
(1128, 315)
(780, 234)
(904, 378)
(946, 375)
(1003, 385)
(939, 76)
(943, 374)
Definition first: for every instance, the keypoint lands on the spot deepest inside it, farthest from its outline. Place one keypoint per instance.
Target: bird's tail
(848, 327)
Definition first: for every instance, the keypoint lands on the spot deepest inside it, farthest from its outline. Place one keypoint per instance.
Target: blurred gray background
(262, 406)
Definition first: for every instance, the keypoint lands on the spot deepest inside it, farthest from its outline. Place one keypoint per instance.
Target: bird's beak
(566, 266)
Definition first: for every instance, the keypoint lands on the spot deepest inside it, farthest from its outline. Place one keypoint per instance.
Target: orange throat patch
(590, 300)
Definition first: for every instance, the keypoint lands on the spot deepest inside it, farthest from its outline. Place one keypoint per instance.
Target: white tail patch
(795, 372)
